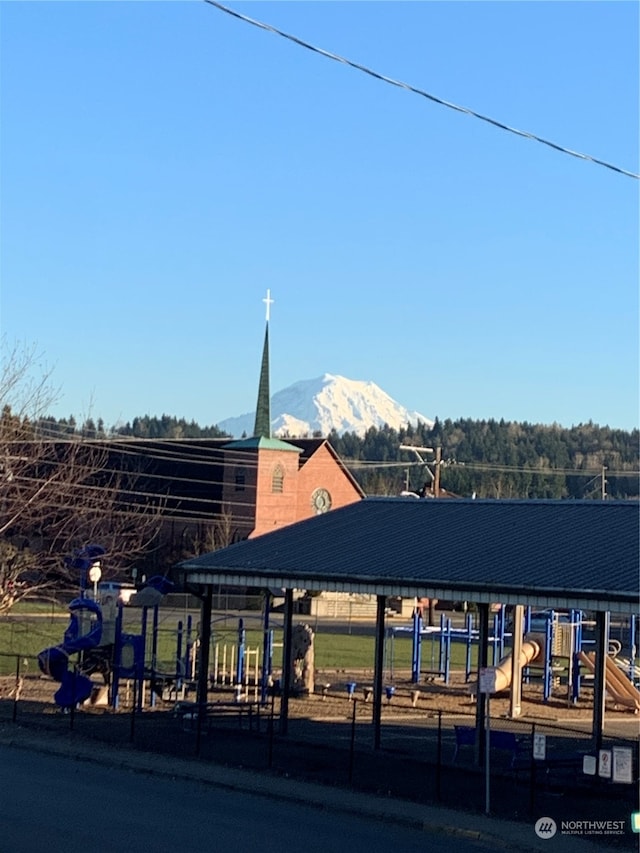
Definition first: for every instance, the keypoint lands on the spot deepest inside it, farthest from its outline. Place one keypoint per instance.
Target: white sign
(487, 679)
(589, 765)
(540, 746)
(604, 763)
(95, 573)
(622, 764)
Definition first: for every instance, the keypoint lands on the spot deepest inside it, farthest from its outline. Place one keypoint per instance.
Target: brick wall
(276, 468)
(324, 471)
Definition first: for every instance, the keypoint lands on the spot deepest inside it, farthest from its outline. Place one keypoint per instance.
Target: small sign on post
(622, 764)
(95, 573)
(604, 763)
(487, 685)
(487, 679)
(540, 747)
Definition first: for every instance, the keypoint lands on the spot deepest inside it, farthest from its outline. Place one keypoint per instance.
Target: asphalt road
(53, 804)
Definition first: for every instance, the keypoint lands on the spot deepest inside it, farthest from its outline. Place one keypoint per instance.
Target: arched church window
(277, 480)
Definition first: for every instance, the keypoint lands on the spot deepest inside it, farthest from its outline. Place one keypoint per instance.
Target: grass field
(28, 635)
(51, 608)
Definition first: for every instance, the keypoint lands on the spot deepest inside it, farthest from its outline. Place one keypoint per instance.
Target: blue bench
(465, 736)
(507, 741)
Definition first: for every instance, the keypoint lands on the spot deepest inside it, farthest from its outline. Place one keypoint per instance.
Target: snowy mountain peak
(326, 403)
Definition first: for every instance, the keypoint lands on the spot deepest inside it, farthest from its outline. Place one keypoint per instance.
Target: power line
(500, 125)
(176, 451)
(489, 467)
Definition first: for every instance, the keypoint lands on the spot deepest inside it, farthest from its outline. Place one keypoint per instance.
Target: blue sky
(163, 164)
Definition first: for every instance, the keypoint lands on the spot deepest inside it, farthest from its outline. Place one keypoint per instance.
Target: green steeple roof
(262, 428)
(260, 443)
(261, 438)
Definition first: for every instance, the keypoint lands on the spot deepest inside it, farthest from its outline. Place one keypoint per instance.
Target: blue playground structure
(97, 637)
(129, 659)
(83, 632)
(243, 665)
(560, 637)
(441, 639)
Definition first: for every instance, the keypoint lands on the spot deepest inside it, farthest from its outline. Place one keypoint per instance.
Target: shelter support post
(206, 604)
(515, 692)
(286, 661)
(378, 671)
(266, 648)
(602, 643)
(481, 698)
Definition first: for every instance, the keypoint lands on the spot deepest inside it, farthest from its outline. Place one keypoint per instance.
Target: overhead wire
(416, 91)
(137, 488)
(232, 459)
(198, 508)
(179, 450)
(494, 468)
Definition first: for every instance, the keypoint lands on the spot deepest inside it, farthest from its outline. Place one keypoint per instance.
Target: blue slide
(74, 686)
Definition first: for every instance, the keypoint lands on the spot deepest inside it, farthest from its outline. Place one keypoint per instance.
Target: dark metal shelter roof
(561, 554)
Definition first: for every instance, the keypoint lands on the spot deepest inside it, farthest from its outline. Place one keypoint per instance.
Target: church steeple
(262, 428)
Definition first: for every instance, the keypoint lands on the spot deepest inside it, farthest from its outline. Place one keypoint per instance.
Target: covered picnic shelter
(547, 554)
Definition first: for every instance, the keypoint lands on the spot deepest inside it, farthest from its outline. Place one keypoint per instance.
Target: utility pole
(418, 451)
(436, 476)
(603, 483)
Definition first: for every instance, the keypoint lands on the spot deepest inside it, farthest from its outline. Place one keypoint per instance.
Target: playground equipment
(633, 671)
(554, 644)
(236, 666)
(622, 691)
(239, 666)
(444, 636)
(95, 633)
(233, 664)
(551, 643)
(82, 560)
(529, 653)
(83, 632)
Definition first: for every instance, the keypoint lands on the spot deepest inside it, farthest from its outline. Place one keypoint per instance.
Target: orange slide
(618, 686)
(528, 653)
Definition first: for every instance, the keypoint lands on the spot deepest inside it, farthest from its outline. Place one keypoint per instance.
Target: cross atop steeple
(268, 302)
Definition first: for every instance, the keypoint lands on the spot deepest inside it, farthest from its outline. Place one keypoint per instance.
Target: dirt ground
(331, 699)
(456, 698)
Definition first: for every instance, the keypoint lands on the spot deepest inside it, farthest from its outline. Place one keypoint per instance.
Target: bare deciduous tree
(58, 496)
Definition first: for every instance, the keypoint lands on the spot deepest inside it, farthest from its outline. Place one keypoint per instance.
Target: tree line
(145, 426)
(486, 458)
(498, 459)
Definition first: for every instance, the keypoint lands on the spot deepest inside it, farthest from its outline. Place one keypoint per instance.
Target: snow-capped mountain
(326, 403)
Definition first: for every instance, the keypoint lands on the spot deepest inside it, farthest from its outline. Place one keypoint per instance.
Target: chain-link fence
(426, 755)
(423, 751)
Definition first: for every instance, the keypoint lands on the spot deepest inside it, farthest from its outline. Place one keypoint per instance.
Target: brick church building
(288, 480)
(214, 492)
